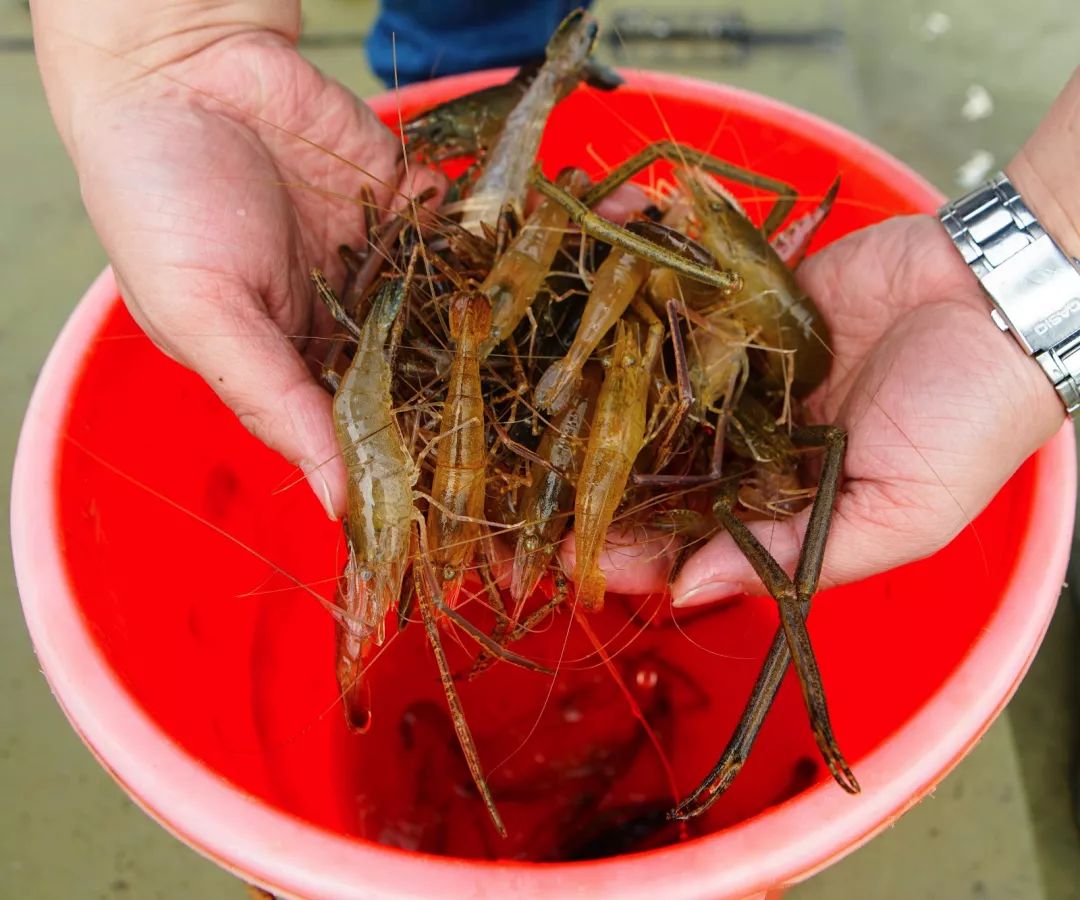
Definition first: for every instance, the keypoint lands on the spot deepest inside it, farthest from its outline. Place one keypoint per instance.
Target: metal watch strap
(1034, 285)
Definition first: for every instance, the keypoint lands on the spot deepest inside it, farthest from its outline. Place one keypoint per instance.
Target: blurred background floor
(951, 87)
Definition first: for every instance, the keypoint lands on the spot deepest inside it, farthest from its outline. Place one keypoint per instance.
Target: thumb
(269, 387)
(633, 561)
(257, 372)
(859, 545)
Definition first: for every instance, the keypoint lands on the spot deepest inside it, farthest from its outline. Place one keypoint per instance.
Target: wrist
(88, 51)
(1021, 387)
(1025, 284)
(1046, 171)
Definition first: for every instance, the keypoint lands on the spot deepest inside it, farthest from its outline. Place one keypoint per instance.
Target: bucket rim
(290, 856)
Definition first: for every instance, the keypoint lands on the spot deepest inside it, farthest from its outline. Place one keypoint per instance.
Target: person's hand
(213, 217)
(213, 188)
(940, 408)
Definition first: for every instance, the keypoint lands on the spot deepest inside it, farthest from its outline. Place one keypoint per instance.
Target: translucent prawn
(457, 488)
(549, 497)
(505, 178)
(771, 304)
(380, 477)
(615, 439)
(519, 272)
(615, 285)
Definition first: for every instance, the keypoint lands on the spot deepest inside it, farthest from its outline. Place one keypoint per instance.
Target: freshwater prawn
(381, 474)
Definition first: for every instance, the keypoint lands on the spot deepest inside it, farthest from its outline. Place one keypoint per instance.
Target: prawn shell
(379, 515)
(458, 483)
(616, 282)
(379, 475)
(772, 303)
(517, 275)
(550, 495)
(615, 440)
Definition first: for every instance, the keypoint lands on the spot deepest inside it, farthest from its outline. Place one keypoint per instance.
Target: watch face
(1037, 288)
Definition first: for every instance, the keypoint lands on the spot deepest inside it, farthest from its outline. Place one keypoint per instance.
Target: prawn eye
(448, 573)
(531, 544)
(366, 575)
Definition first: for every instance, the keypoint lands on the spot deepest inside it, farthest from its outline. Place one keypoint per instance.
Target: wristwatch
(1034, 285)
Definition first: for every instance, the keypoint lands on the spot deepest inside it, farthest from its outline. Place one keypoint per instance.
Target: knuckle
(255, 423)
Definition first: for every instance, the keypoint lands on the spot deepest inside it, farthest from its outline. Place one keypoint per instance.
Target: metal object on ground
(727, 35)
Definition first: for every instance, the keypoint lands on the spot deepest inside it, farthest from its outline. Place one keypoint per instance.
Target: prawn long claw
(791, 639)
(604, 230)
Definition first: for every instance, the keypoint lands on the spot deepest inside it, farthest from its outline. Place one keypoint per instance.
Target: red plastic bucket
(150, 534)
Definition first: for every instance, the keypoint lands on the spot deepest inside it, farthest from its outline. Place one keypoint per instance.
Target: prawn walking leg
(598, 227)
(426, 600)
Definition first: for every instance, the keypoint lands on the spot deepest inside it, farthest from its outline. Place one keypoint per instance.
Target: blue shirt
(441, 37)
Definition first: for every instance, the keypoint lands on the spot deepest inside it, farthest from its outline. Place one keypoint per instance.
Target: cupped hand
(939, 405)
(215, 184)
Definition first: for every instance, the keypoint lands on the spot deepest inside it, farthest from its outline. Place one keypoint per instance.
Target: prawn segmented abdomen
(379, 478)
(549, 496)
(614, 443)
(457, 485)
(617, 281)
(504, 180)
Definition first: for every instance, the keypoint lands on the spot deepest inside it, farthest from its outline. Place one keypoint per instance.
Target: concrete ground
(952, 87)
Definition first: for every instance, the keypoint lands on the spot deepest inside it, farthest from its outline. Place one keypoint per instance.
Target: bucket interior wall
(203, 566)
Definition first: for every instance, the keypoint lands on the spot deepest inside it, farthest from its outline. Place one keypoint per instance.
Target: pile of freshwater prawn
(518, 375)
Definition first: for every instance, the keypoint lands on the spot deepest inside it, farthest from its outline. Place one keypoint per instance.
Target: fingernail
(706, 593)
(318, 484)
